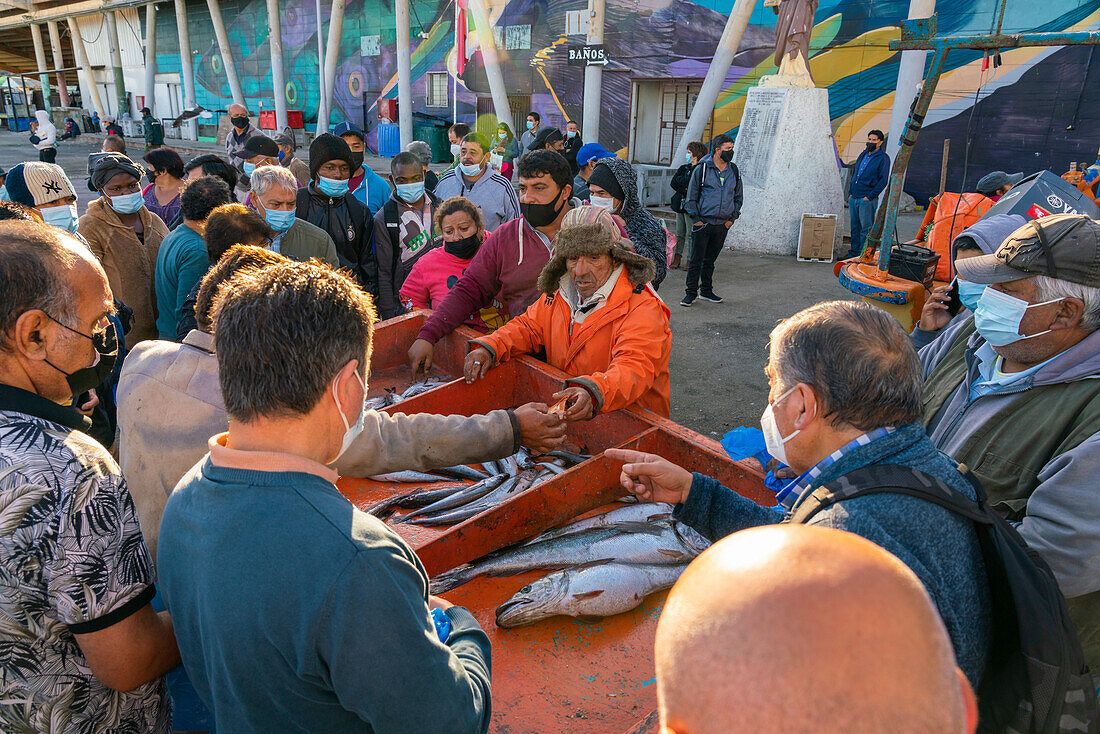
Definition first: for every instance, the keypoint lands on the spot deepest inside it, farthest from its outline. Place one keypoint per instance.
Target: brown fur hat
(590, 230)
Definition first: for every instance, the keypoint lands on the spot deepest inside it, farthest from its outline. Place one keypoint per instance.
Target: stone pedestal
(787, 159)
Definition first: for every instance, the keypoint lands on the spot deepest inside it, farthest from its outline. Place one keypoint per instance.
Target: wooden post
(943, 166)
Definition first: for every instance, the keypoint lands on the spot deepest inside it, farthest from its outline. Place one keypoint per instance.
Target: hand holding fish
(478, 362)
(650, 477)
(579, 406)
(540, 430)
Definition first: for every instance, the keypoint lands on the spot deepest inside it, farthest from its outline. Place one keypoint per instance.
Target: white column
(85, 68)
(278, 77)
(910, 74)
(492, 64)
(58, 62)
(322, 93)
(226, 52)
(151, 57)
(116, 63)
(593, 76)
(332, 54)
(404, 73)
(716, 76)
(43, 67)
(187, 65)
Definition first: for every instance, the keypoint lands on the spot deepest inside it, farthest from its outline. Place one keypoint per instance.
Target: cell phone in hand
(954, 305)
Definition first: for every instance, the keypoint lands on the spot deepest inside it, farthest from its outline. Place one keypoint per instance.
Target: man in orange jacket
(599, 321)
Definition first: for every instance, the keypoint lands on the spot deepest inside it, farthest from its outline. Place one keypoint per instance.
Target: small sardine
(593, 590)
(408, 477)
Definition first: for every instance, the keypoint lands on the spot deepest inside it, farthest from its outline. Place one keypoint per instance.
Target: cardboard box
(816, 238)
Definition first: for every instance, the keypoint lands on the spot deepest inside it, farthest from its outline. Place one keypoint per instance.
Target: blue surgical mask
(969, 293)
(279, 221)
(410, 192)
(530, 125)
(127, 203)
(687, 157)
(4, 194)
(998, 316)
(470, 170)
(249, 168)
(570, 133)
(62, 217)
(332, 186)
(282, 155)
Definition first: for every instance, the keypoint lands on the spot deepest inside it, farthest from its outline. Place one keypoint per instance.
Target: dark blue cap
(348, 128)
(592, 152)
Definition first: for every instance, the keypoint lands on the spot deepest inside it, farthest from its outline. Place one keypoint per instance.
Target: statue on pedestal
(792, 37)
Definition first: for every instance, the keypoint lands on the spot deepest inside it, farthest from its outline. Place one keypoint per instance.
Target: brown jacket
(300, 170)
(170, 404)
(130, 263)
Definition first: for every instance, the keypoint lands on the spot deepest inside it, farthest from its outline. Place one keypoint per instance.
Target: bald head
(797, 628)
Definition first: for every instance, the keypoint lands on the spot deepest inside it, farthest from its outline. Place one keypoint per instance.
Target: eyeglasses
(104, 341)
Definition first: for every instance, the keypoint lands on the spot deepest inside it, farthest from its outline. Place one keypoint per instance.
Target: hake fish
(661, 543)
(410, 500)
(593, 590)
(651, 512)
(408, 477)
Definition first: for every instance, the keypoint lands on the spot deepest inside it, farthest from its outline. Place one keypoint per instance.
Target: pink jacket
(431, 279)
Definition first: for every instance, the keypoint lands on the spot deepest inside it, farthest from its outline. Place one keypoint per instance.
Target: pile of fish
(392, 397)
(455, 503)
(604, 565)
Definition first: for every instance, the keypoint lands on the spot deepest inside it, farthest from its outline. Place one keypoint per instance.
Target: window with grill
(437, 89)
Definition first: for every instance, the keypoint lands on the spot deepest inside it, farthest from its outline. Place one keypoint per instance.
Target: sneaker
(710, 297)
(688, 300)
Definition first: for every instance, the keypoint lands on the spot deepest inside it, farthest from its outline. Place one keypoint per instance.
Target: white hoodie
(46, 131)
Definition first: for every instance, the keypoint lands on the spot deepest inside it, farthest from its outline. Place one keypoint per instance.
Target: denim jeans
(862, 215)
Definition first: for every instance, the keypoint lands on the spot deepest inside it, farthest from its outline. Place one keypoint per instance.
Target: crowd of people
(183, 378)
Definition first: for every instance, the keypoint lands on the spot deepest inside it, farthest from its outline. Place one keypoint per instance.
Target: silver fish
(650, 512)
(403, 477)
(593, 590)
(641, 543)
(461, 471)
(469, 494)
(415, 498)
(511, 485)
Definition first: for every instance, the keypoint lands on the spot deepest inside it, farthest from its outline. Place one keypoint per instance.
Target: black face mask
(726, 155)
(540, 215)
(356, 161)
(872, 147)
(105, 344)
(240, 121)
(464, 248)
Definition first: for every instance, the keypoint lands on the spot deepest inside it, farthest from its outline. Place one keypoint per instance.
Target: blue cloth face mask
(998, 316)
(471, 170)
(127, 203)
(249, 168)
(280, 221)
(332, 186)
(62, 217)
(410, 192)
(969, 293)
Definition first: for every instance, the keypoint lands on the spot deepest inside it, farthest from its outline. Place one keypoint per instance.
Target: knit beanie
(34, 184)
(327, 147)
(109, 166)
(604, 177)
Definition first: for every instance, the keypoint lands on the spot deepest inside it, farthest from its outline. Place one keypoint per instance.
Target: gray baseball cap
(990, 182)
(1062, 246)
(285, 139)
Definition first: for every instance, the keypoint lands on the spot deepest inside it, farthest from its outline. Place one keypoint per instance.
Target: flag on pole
(460, 36)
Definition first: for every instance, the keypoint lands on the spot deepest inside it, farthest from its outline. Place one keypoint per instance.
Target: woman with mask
(44, 137)
(614, 186)
(436, 272)
(126, 238)
(162, 195)
(506, 146)
(982, 238)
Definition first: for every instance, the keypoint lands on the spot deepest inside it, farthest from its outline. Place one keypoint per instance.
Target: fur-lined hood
(594, 239)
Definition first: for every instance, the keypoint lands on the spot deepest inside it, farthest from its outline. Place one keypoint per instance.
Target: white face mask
(773, 439)
(603, 203)
(351, 432)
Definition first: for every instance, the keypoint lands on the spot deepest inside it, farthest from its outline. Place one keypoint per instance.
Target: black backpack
(1036, 680)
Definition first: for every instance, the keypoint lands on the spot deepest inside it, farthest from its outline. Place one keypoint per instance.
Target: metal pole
(887, 213)
(332, 56)
(116, 63)
(278, 77)
(151, 57)
(226, 52)
(593, 76)
(492, 64)
(322, 96)
(85, 68)
(404, 73)
(187, 67)
(40, 60)
(58, 62)
(716, 76)
(910, 73)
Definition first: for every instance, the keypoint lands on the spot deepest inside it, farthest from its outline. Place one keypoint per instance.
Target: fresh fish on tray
(651, 512)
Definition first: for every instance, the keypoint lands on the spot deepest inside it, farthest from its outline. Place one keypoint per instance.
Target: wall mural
(1016, 115)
